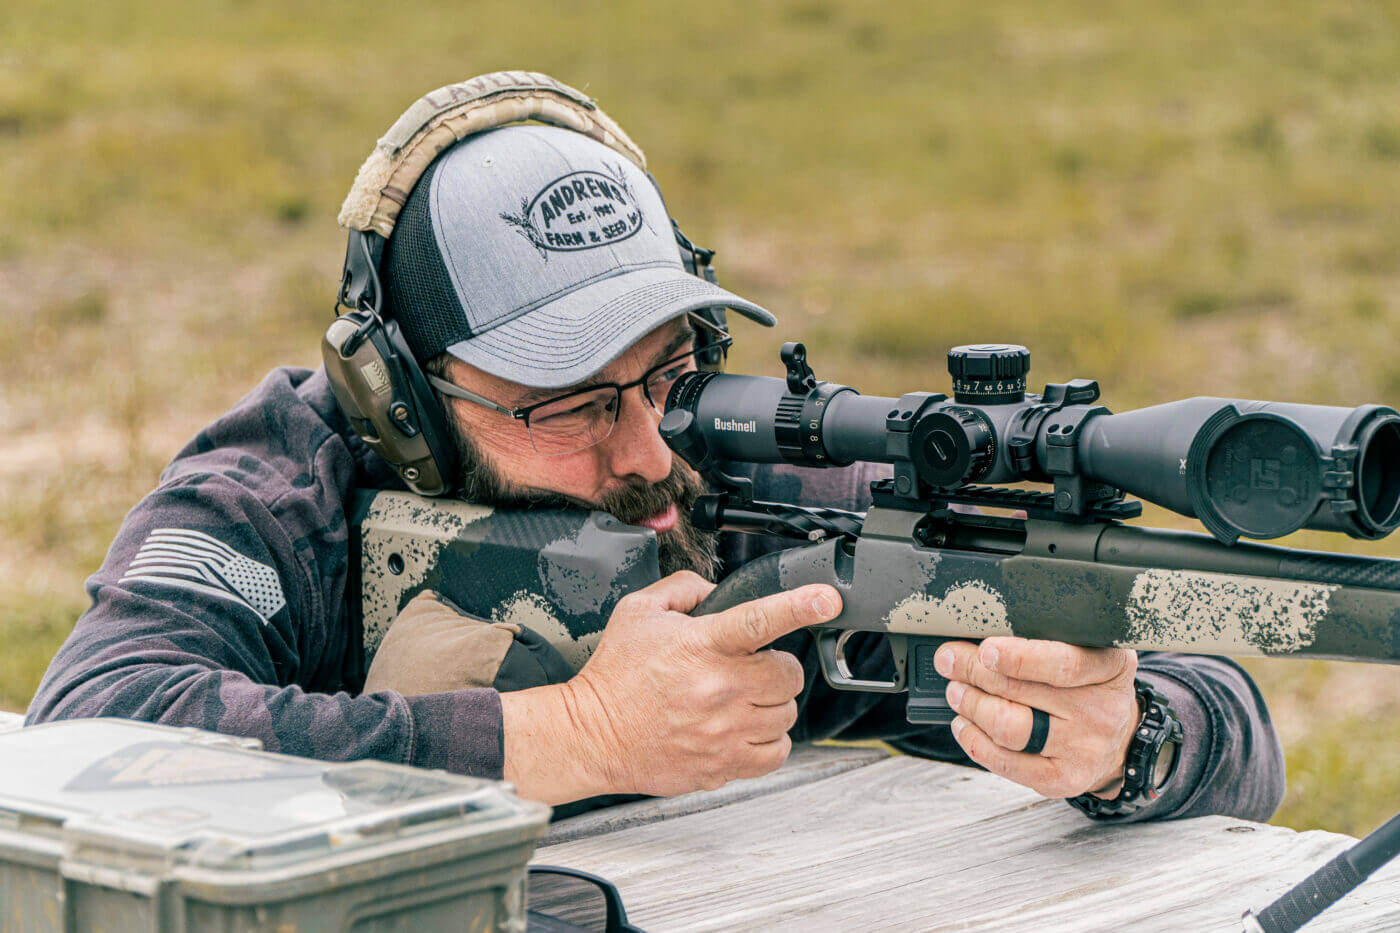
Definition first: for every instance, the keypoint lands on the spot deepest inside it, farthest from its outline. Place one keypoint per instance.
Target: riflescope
(1244, 468)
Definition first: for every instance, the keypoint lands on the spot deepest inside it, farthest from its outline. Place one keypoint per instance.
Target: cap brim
(575, 336)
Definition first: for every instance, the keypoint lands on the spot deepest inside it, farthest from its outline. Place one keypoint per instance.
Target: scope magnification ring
(814, 409)
(797, 425)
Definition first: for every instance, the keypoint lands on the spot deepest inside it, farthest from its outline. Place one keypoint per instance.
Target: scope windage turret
(1244, 468)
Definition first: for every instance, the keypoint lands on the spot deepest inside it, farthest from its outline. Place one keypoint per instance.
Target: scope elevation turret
(989, 373)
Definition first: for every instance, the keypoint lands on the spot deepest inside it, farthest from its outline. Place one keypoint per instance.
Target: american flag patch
(192, 560)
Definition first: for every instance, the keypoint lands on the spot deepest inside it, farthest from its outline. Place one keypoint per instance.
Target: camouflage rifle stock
(1097, 585)
(1101, 584)
(558, 572)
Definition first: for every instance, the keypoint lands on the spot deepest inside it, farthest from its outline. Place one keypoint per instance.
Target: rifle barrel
(1186, 550)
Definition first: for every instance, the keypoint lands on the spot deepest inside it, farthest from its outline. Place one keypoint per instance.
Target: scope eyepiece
(758, 419)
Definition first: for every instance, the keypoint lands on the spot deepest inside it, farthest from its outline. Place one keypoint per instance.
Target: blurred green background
(1178, 198)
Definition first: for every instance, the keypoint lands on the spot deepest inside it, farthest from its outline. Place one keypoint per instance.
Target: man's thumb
(747, 627)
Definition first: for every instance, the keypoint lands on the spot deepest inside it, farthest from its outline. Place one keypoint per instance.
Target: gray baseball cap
(538, 255)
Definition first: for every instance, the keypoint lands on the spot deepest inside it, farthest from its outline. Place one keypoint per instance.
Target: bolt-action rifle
(920, 567)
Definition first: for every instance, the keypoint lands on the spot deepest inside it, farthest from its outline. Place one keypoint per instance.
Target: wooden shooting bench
(847, 838)
(851, 839)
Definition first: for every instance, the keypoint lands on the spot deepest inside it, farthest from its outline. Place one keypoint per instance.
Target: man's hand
(1088, 693)
(667, 703)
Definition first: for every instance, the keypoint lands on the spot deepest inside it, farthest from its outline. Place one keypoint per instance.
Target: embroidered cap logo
(581, 210)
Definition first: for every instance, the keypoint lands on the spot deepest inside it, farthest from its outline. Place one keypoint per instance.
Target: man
(535, 277)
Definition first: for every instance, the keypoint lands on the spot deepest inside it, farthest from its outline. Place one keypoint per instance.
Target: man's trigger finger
(746, 628)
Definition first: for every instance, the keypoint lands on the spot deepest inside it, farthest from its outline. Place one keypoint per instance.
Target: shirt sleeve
(206, 614)
(1231, 760)
(1231, 757)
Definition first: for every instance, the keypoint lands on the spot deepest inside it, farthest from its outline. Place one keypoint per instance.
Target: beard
(682, 547)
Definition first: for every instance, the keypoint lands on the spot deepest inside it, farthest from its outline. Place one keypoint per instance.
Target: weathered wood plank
(806, 764)
(904, 844)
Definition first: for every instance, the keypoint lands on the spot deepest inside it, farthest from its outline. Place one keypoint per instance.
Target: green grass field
(1176, 199)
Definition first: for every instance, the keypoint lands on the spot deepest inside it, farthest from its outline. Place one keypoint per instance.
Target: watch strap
(1157, 727)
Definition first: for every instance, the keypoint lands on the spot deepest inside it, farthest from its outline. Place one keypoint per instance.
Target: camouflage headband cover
(452, 113)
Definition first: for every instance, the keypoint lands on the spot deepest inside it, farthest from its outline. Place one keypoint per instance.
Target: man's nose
(635, 447)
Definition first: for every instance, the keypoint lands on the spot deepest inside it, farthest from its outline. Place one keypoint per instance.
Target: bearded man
(533, 274)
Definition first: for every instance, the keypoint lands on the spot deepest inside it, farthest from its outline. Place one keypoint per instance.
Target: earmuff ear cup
(432, 416)
(375, 385)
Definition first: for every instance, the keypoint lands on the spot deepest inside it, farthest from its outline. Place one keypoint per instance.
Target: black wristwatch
(1152, 757)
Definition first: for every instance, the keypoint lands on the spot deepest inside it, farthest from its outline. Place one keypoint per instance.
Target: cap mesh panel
(418, 292)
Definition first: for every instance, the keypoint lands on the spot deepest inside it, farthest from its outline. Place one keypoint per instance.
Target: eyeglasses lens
(658, 384)
(574, 422)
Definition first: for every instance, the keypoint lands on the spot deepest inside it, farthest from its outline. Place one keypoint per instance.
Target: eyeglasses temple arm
(456, 391)
(713, 329)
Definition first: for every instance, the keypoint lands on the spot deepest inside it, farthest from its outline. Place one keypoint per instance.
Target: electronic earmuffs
(373, 373)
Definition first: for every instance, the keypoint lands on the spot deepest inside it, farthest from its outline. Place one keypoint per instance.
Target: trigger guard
(831, 650)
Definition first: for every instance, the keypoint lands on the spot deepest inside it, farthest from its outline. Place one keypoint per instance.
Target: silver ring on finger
(1040, 732)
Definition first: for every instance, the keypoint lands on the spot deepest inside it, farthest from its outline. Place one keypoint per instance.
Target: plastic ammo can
(110, 825)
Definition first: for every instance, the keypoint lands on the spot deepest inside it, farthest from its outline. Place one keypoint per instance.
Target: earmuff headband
(451, 113)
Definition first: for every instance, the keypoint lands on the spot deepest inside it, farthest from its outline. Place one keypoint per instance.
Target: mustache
(628, 504)
(631, 504)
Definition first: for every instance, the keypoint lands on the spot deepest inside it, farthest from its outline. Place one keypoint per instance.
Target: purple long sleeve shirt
(222, 604)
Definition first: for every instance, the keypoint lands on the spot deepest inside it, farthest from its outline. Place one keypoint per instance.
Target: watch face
(1163, 767)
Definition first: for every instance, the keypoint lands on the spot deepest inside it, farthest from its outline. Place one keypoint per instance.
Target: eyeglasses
(577, 420)
(566, 899)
